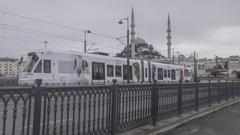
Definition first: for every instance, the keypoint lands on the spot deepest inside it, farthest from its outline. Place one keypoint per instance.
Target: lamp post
(195, 67)
(85, 41)
(173, 60)
(217, 68)
(178, 58)
(128, 67)
(45, 42)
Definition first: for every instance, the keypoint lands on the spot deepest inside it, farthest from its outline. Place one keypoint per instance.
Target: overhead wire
(36, 32)
(41, 21)
(52, 35)
(55, 24)
(38, 42)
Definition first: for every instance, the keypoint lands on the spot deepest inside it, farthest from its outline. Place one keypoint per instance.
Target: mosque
(140, 49)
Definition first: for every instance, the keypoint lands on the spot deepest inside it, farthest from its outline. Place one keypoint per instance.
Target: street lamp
(85, 41)
(217, 68)
(173, 60)
(128, 67)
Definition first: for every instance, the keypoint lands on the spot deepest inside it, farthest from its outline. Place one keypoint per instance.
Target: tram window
(38, 69)
(110, 70)
(169, 73)
(165, 73)
(146, 72)
(47, 66)
(98, 71)
(160, 74)
(125, 73)
(30, 63)
(173, 73)
(118, 71)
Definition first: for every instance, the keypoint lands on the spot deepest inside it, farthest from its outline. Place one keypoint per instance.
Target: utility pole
(173, 61)
(128, 52)
(195, 67)
(85, 40)
(178, 58)
(128, 48)
(217, 68)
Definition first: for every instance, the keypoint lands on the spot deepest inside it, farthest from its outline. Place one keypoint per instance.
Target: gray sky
(207, 26)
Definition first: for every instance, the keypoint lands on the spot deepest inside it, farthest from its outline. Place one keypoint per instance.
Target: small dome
(139, 40)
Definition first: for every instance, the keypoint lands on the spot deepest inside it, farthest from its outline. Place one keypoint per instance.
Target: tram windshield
(30, 62)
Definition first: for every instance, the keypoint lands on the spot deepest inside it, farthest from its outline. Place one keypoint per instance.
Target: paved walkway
(224, 122)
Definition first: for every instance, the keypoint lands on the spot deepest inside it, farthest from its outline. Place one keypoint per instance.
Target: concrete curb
(165, 126)
(191, 118)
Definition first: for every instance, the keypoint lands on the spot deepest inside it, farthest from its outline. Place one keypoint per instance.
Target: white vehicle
(70, 68)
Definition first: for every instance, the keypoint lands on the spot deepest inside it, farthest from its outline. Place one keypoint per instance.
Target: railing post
(197, 97)
(219, 96)
(154, 102)
(114, 106)
(209, 93)
(238, 88)
(37, 107)
(180, 97)
(233, 89)
(226, 90)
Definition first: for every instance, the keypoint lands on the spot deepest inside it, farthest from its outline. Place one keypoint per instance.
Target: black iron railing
(95, 110)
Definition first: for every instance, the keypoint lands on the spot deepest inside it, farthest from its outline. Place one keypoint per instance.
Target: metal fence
(96, 110)
(8, 82)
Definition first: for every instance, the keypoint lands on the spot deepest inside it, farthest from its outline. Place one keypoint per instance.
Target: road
(224, 122)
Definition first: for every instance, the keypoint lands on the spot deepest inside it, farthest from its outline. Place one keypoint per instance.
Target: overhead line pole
(195, 67)
(127, 53)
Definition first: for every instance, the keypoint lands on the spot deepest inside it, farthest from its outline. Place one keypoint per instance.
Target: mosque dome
(139, 40)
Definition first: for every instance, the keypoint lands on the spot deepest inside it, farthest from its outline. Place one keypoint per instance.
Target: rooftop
(7, 59)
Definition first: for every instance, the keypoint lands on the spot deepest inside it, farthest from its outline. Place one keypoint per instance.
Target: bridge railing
(103, 109)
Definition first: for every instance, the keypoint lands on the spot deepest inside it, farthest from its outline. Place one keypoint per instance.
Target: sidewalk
(170, 124)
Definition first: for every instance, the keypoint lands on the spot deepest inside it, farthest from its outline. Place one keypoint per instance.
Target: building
(139, 48)
(234, 66)
(8, 67)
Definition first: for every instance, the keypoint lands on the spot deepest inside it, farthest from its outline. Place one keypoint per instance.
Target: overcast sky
(210, 27)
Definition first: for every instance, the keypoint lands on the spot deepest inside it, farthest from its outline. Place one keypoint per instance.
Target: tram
(69, 67)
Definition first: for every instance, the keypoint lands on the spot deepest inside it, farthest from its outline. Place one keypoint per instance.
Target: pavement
(219, 119)
(223, 122)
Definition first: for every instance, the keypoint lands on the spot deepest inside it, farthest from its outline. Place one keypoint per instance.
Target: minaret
(132, 35)
(169, 43)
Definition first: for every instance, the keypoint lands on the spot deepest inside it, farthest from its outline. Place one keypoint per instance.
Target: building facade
(8, 67)
(234, 66)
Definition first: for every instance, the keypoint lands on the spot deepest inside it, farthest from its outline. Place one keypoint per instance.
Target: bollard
(37, 108)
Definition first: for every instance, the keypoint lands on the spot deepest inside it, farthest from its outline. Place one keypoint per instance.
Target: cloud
(209, 27)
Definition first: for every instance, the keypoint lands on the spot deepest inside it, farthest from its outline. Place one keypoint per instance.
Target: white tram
(88, 69)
